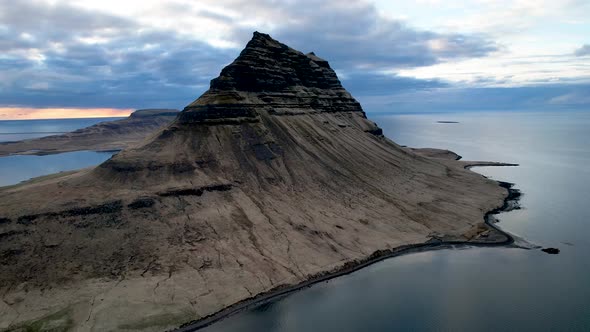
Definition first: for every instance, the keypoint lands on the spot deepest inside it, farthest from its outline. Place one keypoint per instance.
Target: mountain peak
(262, 36)
(268, 65)
(269, 76)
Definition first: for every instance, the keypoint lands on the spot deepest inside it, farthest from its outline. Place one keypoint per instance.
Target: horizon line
(55, 113)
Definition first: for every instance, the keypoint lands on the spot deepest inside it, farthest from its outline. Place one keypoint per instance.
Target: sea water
(16, 168)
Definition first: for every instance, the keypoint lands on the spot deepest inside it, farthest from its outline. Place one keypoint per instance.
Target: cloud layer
(61, 55)
(583, 51)
(20, 113)
(529, 98)
(162, 54)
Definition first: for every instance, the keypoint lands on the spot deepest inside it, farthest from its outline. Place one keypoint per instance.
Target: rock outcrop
(272, 176)
(109, 135)
(550, 251)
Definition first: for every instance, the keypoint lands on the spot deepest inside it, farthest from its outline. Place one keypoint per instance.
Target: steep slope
(108, 135)
(273, 175)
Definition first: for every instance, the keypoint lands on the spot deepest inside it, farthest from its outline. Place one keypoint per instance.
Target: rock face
(110, 135)
(270, 76)
(273, 175)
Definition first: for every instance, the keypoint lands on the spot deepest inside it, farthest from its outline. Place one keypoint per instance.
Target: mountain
(108, 135)
(272, 177)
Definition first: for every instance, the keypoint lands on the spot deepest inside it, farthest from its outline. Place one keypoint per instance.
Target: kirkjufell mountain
(272, 177)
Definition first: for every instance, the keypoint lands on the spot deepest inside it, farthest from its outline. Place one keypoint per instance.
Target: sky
(90, 58)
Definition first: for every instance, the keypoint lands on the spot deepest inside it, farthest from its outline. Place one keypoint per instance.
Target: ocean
(462, 289)
(16, 130)
(14, 169)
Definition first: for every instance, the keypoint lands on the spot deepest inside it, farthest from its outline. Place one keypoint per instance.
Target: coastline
(510, 201)
(41, 153)
(112, 134)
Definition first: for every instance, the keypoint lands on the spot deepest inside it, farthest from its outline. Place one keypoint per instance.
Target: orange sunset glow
(23, 113)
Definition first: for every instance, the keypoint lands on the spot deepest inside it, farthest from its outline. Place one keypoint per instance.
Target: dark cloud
(126, 66)
(542, 97)
(47, 24)
(374, 84)
(583, 51)
(214, 16)
(353, 34)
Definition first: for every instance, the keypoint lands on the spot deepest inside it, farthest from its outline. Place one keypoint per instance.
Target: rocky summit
(272, 77)
(272, 177)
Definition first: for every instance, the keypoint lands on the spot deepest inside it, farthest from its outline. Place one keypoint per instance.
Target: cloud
(452, 99)
(375, 84)
(354, 35)
(510, 17)
(574, 98)
(113, 54)
(583, 51)
(507, 71)
(59, 55)
(78, 58)
(55, 19)
(13, 113)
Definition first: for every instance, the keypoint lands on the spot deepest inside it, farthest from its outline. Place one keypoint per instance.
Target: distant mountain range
(111, 135)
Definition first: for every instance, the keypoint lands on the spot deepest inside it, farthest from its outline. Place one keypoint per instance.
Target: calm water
(16, 130)
(14, 169)
(487, 289)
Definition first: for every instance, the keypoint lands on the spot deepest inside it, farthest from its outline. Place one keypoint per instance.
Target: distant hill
(110, 135)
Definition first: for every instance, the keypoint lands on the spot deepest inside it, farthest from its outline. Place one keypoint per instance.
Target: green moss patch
(56, 322)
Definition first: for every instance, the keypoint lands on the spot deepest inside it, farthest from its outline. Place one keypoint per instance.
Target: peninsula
(109, 135)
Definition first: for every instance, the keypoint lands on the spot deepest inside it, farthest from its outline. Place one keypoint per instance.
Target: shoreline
(43, 153)
(509, 202)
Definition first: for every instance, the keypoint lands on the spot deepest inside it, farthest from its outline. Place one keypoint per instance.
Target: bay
(17, 168)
